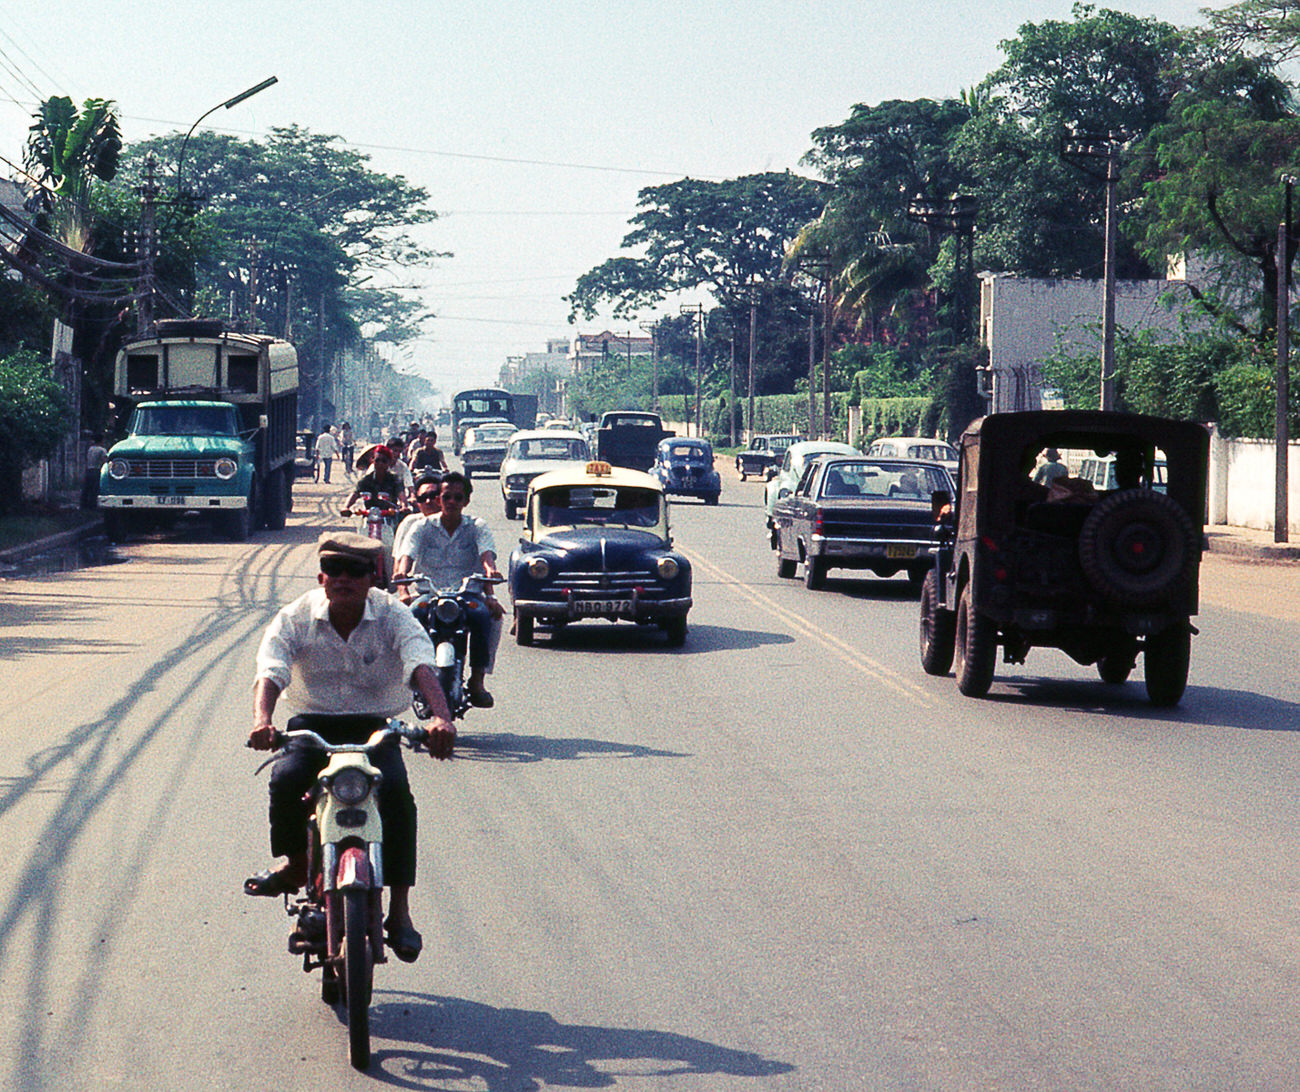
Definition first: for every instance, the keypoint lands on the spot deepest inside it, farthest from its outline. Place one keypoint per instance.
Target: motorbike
(378, 520)
(338, 918)
(441, 611)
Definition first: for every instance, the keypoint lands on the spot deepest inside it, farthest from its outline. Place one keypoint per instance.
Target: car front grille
(173, 468)
(604, 583)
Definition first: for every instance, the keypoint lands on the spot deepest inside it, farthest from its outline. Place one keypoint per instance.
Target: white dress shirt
(319, 672)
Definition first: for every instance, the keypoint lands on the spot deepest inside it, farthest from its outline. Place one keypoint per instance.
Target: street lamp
(180, 159)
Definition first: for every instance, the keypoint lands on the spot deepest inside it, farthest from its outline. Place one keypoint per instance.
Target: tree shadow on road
(1202, 706)
(508, 747)
(456, 1043)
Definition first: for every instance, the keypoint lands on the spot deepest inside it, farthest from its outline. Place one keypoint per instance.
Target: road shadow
(1202, 706)
(628, 638)
(455, 1043)
(509, 747)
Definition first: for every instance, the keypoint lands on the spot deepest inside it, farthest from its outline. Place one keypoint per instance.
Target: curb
(52, 542)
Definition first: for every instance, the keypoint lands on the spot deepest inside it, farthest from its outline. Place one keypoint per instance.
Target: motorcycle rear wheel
(358, 975)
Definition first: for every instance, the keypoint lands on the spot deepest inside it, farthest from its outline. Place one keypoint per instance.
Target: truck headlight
(226, 469)
(667, 568)
(118, 469)
(538, 569)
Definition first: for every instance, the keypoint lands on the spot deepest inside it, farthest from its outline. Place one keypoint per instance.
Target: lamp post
(952, 216)
(235, 101)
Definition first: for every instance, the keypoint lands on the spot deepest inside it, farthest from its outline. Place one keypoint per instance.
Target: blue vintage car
(596, 545)
(685, 468)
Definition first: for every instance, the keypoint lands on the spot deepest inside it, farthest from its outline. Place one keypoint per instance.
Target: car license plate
(601, 606)
(900, 552)
(172, 499)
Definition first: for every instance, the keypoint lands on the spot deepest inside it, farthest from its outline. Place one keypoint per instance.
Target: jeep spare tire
(1137, 546)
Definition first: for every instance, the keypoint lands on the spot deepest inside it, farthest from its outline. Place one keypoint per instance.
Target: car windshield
(881, 479)
(547, 447)
(185, 421)
(598, 505)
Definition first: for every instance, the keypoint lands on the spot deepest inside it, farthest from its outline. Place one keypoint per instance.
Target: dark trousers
(293, 776)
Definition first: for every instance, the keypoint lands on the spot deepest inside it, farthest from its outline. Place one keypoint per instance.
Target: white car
(485, 447)
(535, 452)
(792, 463)
(915, 447)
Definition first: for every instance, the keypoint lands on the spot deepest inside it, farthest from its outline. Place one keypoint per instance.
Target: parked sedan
(792, 466)
(685, 468)
(763, 455)
(535, 452)
(860, 513)
(485, 447)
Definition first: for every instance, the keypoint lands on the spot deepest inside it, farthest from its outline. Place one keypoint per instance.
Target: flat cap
(349, 544)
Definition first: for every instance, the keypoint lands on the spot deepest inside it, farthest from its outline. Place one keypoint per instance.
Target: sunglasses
(426, 498)
(337, 566)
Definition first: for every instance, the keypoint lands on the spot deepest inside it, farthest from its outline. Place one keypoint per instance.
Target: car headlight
(226, 469)
(118, 469)
(667, 568)
(447, 610)
(350, 786)
(538, 568)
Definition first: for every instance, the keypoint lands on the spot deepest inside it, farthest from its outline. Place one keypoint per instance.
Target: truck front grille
(173, 468)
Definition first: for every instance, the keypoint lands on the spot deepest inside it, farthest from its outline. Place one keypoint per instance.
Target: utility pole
(1080, 149)
(147, 248)
(652, 328)
(698, 311)
(1282, 430)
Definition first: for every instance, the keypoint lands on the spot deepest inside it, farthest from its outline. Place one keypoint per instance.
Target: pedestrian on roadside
(327, 447)
(96, 457)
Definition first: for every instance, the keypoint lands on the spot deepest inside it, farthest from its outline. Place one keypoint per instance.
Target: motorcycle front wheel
(358, 974)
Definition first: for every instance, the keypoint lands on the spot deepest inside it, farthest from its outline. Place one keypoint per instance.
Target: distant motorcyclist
(346, 647)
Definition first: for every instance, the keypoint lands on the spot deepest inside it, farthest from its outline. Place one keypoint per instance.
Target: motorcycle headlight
(447, 610)
(538, 568)
(226, 469)
(350, 787)
(667, 568)
(118, 469)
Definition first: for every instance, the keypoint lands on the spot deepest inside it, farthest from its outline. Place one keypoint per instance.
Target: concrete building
(1023, 321)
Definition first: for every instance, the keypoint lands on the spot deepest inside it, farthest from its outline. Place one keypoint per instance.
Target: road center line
(874, 669)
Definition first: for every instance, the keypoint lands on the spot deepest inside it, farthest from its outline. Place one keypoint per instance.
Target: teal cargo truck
(211, 419)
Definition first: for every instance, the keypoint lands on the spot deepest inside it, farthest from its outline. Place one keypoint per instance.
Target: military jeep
(1102, 575)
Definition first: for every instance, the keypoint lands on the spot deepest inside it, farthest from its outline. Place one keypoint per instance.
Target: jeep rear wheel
(938, 630)
(1137, 546)
(976, 642)
(1165, 661)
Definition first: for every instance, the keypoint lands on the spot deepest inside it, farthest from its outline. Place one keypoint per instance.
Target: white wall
(1243, 483)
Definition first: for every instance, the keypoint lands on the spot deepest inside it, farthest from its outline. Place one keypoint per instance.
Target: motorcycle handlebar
(414, 737)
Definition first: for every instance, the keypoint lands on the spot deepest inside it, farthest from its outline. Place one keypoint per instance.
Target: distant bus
(468, 407)
(477, 404)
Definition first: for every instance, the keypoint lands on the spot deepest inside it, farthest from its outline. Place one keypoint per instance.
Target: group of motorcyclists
(349, 646)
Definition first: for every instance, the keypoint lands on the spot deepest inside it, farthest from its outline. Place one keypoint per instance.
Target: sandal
(270, 883)
(405, 942)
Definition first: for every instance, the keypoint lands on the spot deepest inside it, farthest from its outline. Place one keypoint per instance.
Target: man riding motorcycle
(346, 647)
(446, 548)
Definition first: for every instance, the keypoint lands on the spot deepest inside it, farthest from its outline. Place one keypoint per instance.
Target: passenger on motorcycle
(447, 548)
(346, 647)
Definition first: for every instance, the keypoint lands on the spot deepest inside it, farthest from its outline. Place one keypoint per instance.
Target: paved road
(781, 858)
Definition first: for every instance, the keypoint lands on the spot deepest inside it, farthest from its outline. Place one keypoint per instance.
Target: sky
(532, 125)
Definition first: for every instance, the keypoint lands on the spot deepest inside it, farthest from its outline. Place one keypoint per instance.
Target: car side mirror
(940, 504)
